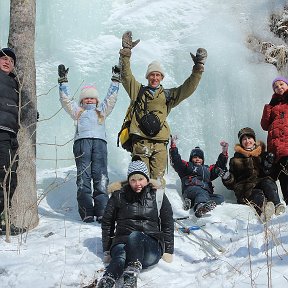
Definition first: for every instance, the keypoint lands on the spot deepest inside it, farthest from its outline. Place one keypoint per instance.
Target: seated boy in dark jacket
(196, 178)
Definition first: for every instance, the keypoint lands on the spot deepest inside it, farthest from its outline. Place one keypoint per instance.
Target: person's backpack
(124, 136)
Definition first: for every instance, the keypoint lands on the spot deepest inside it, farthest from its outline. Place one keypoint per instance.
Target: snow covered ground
(64, 252)
(86, 36)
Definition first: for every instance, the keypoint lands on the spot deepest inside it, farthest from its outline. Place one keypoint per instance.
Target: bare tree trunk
(24, 212)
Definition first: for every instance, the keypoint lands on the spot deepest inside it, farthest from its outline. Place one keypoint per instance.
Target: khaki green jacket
(160, 103)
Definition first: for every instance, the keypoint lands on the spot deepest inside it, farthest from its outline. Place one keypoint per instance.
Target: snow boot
(131, 273)
(106, 282)
(88, 219)
(280, 209)
(268, 211)
(187, 204)
(203, 208)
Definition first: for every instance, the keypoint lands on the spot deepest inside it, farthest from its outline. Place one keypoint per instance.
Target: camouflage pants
(154, 154)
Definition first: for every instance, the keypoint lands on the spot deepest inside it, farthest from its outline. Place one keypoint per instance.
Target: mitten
(201, 56)
(62, 72)
(173, 141)
(274, 101)
(107, 258)
(226, 175)
(127, 40)
(224, 146)
(268, 160)
(223, 173)
(167, 257)
(116, 74)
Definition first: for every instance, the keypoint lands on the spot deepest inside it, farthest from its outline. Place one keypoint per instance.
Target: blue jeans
(200, 195)
(139, 247)
(91, 161)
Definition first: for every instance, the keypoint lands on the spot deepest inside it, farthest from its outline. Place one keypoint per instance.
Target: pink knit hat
(280, 78)
(89, 91)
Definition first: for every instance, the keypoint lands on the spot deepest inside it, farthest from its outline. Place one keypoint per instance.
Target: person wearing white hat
(90, 143)
(149, 128)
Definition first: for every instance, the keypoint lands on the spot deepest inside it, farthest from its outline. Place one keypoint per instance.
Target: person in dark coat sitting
(137, 227)
(196, 178)
(249, 176)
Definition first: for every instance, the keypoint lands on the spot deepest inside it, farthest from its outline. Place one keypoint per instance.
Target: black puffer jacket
(246, 171)
(128, 211)
(9, 102)
(196, 175)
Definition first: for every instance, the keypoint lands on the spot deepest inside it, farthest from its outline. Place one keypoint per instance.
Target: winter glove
(127, 40)
(224, 146)
(116, 74)
(167, 257)
(268, 160)
(274, 101)
(62, 72)
(225, 175)
(107, 258)
(201, 56)
(173, 141)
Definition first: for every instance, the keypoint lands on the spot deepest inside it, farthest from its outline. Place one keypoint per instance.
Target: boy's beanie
(88, 92)
(154, 66)
(280, 78)
(196, 152)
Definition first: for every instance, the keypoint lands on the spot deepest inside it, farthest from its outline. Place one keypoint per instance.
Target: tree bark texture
(24, 212)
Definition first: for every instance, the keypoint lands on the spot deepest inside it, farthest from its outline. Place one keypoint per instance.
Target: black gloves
(201, 56)
(267, 162)
(62, 72)
(116, 74)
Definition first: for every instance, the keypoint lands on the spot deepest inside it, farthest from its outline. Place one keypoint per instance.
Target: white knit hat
(137, 167)
(154, 66)
(88, 92)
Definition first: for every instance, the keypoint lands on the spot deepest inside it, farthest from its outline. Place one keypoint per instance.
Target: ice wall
(86, 36)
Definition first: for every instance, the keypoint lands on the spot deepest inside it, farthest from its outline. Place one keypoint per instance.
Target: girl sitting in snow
(90, 146)
(196, 178)
(249, 176)
(144, 229)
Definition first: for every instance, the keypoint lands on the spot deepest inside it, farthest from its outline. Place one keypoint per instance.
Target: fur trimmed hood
(260, 148)
(115, 186)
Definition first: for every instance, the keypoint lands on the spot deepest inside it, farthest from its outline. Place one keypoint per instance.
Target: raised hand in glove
(173, 141)
(116, 74)
(201, 56)
(224, 146)
(62, 72)
(127, 40)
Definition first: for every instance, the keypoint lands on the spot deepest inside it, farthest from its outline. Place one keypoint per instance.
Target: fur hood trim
(115, 186)
(260, 148)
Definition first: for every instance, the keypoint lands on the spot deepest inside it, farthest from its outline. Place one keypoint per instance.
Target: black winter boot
(203, 208)
(131, 273)
(106, 282)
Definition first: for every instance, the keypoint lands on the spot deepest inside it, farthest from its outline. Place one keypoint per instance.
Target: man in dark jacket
(149, 127)
(135, 214)
(9, 104)
(196, 178)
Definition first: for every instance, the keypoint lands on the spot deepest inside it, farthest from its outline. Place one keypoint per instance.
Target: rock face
(274, 54)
